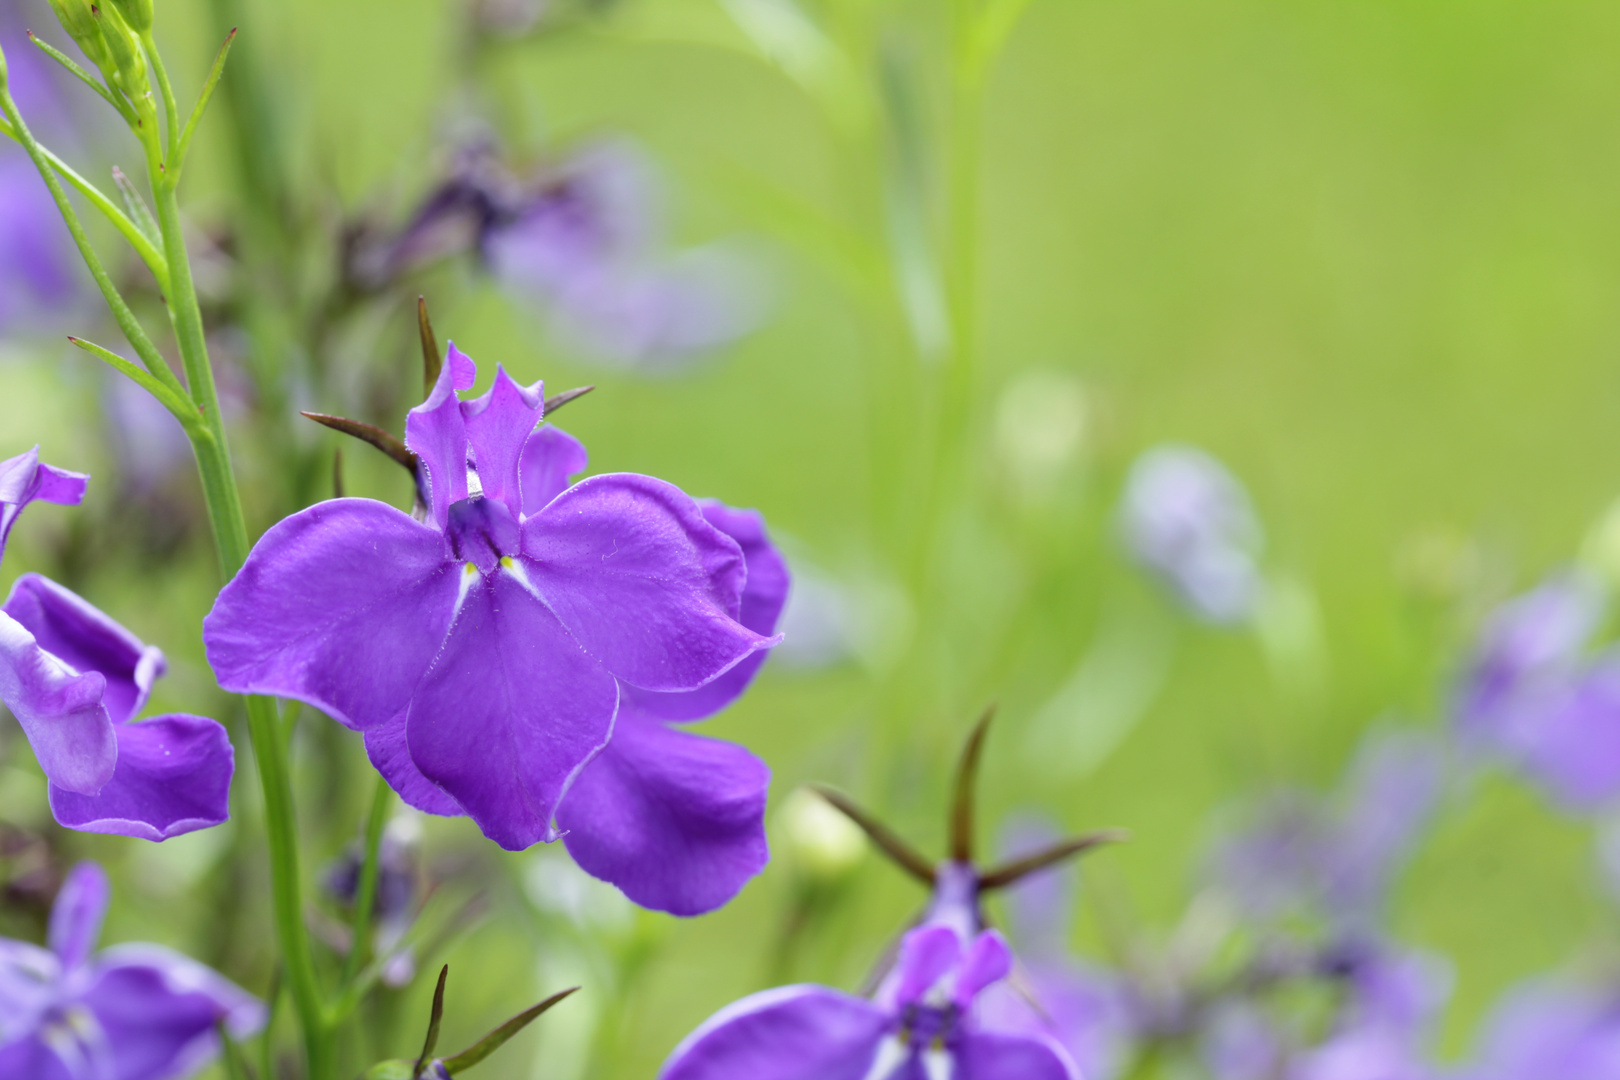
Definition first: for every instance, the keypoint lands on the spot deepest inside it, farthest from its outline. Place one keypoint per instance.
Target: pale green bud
(124, 50)
(823, 841)
(137, 14)
(78, 18)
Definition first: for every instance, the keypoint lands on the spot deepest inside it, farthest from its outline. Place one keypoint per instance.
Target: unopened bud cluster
(108, 35)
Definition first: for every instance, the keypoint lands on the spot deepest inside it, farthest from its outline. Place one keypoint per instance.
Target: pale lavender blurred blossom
(38, 272)
(147, 441)
(1187, 519)
(1546, 1030)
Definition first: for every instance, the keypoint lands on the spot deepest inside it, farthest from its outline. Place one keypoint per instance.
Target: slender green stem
(171, 107)
(365, 897)
(127, 322)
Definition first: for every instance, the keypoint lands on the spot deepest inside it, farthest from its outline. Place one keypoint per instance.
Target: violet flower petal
(86, 639)
(764, 594)
(676, 821)
(25, 478)
(77, 913)
(30, 1057)
(988, 961)
(551, 457)
(984, 1055)
(509, 713)
(436, 432)
(60, 711)
(29, 976)
(391, 756)
(1544, 1030)
(926, 954)
(1573, 746)
(498, 426)
(173, 777)
(641, 580)
(158, 1011)
(791, 1033)
(342, 606)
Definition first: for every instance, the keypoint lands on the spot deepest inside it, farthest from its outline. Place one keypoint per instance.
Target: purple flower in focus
(486, 651)
(1187, 519)
(131, 1012)
(922, 1024)
(75, 679)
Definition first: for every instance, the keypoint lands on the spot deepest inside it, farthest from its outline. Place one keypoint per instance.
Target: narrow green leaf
(431, 1043)
(182, 408)
(139, 212)
(88, 79)
(184, 144)
(495, 1039)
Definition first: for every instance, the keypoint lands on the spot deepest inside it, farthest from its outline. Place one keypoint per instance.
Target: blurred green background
(1365, 253)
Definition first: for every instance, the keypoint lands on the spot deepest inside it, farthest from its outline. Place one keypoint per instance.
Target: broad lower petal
(437, 434)
(641, 580)
(31, 1057)
(60, 711)
(159, 1011)
(510, 712)
(551, 458)
(764, 594)
(984, 1055)
(389, 754)
(791, 1033)
(342, 606)
(675, 820)
(76, 916)
(498, 425)
(84, 638)
(173, 777)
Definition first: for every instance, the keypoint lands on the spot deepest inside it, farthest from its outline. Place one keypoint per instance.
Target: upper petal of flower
(436, 432)
(342, 605)
(498, 425)
(551, 457)
(764, 594)
(159, 1011)
(791, 1033)
(988, 960)
(84, 638)
(76, 916)
(509, 713)
(24, 478)
(60, 711)
(675, 820)
(173, 777)
(927, 954)
(983, 1055)
(391, 756)
(30, 981)
(641, 580)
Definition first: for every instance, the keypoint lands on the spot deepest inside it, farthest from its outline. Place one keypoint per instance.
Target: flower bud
(137, 14)
(826, 843)
(124, 50)
(78, 19)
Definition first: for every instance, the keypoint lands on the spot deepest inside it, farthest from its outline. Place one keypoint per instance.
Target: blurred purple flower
(1305, 853)
(1546, 1030)
(921, 1024)
(38, 266)
(75, 679)
(1383, 1029)
(1187, 519)
(147, 441)
(485, 652)
(131, 1012)
(397, 901)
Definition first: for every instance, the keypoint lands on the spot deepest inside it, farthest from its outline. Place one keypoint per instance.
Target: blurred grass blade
(967, 782)
(903, 855)
(430, 1043)
(1010, 873)
(236, 1066)
(494, 1040)
(786, 36)
(916, 268)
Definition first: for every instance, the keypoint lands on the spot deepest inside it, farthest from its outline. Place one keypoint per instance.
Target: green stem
(365, 897)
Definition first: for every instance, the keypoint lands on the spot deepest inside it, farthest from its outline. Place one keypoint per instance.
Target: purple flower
(1545, 1030)
(587, 246)
(1188, 520)
(37, 260)
(675, 820)
(131, 1012)
(485, 652)
(75, 679)
(923, 1023)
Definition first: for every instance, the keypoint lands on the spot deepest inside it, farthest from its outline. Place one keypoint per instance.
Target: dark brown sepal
(376, 436)
(557, 401)
(964, 798)
(1010, 873)
(432, 359)
(901, 853)
(432, 1041)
